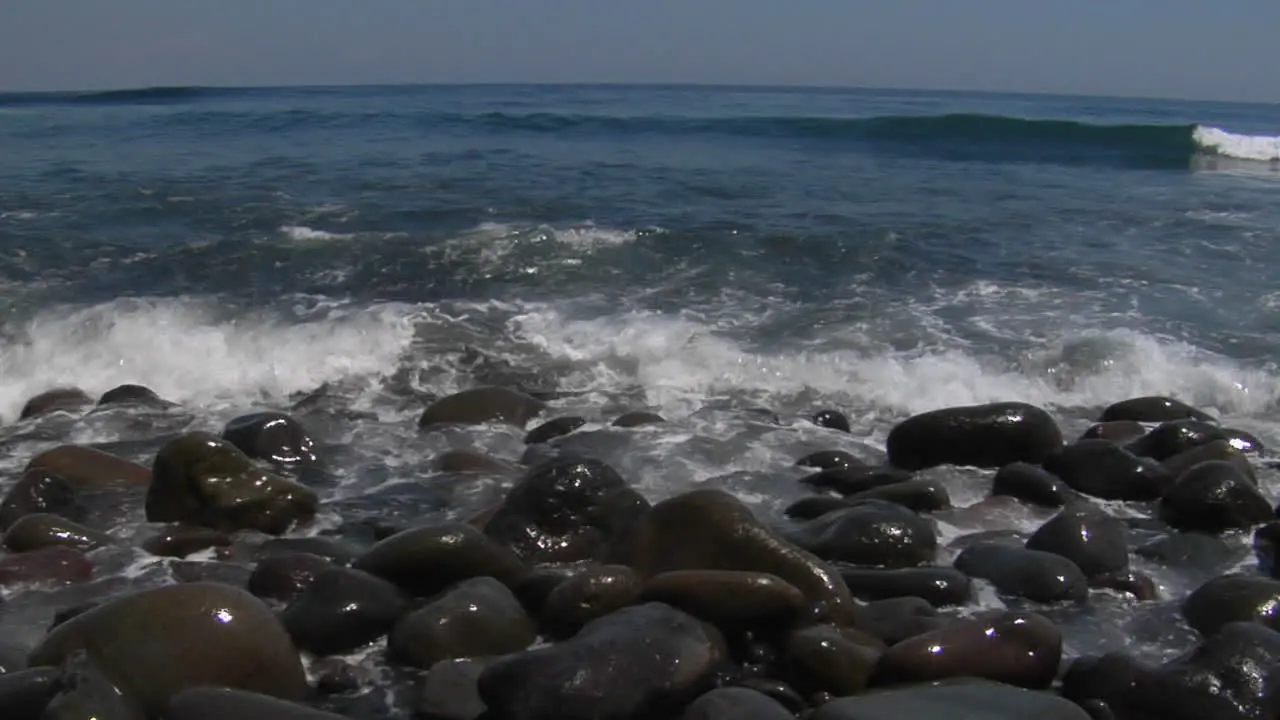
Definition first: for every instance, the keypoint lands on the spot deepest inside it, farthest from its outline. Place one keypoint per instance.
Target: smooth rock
(1032, 574)
(25, 694)
(588, 595)
(833, 419)
(553, 428)
(1152, 409)
(1030, 483)
(54, 564)
(1105, 470)
(873, 533)
(1174, 438)
(967, 700)
(893, 620)
(426, 560)
(67, 400)
(219, 703)
(343, 609)
(821, 658)
(1179, 464)
(830, 459)
(285, 577)
(1095, 541)
(1233, 598)
(40, 491)
(180, 540)
(478, 617)
(987, 436)
(1021, 649)
(87, 694)
(275, 437)
(41, 530)
(636, 418)
(1214, 497)
(852, 480)
(450, 691)
(129, 395)
(482, 405)
(85, 467)
(736, 703)
(728, 598)
(1117, 431)
(940, 586)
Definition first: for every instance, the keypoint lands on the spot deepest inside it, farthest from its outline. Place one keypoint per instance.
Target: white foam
(493, 245)
(1243, 147)
(302, 233)
(181, 349)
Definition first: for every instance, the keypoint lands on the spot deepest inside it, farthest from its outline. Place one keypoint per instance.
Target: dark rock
(736, 703)
(1152, 409)
(182, 540)
(535, 588)
(779, 691)
(829, 460)
(1243, 442)
(53, 564)
(272, 436)
(636, 418)
(450, 691)
(1266, 540)
(219, 703)
(1030, 483)
(987, 436)
(1176, 437)
(85, 467)
(1111, 679)
(1233, 598)
(1117, 431)
(825, 658)
(588, 595)
(874, 533)
(87, 694)
(1194, 553)
(193, 571)
(426, 560)
(66, 400)
(728, 598)
(1032, 574)
(815, 506)
(970, 700)
(1214, 497)
(1137, 584)
(712, 530)
(338, 552)
(833, 419)
(939, 586)
(923, 496)
(1021, 649)
(1095, 541)
(285, 577)
(643, 661)
(893, 620)
(41, 530)
(478, 617)
(334, 676)
(204, 480)
(564, 510)
(213, 635)
(468, 461)
(139, 396)
(40, 491)
(554, 428)
(343, 609)
(1212, 450)
(855, 479)
(482, 405)
(1105, 470)
(25, 694)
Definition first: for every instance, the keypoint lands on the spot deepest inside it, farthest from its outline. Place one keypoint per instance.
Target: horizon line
(634, 84)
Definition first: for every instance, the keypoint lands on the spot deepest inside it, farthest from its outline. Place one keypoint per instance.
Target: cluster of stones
(577, 598)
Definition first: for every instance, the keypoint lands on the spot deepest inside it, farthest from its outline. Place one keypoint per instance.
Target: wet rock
(130, 395)
(467, 461)
(1110, 679)
(893, 620)
(1212, 450)
(940, 586)
(1105, 470)
(815, 506)
(534, 589)
(66, 400)
(987, 436)
(334, 676)
(855, 479)
(1214, 497)
(25, 694)
(728, 598)
(644, 661)
(971, 700)
(588, 595)
(272, 436)
(85, 467)
(833, 419)
(1032, 574)
(343, 609)
(777, 690)
(1229, 676)
(1233, 598)
(1117, 431)
(1030, 483)
(1021, 649)
(213, 635)
(482, 405)
(53, 564)
(219, 703)
(40, 530)
(1152, 409)
(1266, 540)
(336, 551)
(822, 658)
(180, 540)
(203, 480)
(922, 496)
(87, 694)
(1094, 540)
(1193, 553)
(426, 560)
(191, 571)
(450, 691)
(636, 418)
(1242, 441)
(712, 530)
(1139, 585)
(554, 428)
(40, 491)
(830, 459)
(564, 510)
(1174, 438)
(285, 577)
(874, 533)
(477, 617)
(736, 703)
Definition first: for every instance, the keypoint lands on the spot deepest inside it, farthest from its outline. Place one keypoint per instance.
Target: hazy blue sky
(1227, 49)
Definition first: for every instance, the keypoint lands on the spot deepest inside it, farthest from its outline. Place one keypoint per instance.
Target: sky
(1194, 49)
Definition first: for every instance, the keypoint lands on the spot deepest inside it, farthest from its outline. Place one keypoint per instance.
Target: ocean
(709, 254)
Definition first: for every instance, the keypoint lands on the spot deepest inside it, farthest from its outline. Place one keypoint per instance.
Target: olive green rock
(482, 405)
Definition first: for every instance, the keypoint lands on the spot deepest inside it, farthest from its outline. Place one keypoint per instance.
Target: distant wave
(133, 96)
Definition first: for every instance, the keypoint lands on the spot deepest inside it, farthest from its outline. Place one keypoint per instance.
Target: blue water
(695, 251)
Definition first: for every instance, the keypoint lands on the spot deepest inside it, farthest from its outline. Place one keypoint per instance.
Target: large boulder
(481, 405)
(1095, 541)
(1214, 497)
(1102, 469)
(875, 533)
(1021, 649)
(1152, 409)
(987, 436)
(272, 436)
(476, 618)
(155, 643)
(427, 560)
(204, 480)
